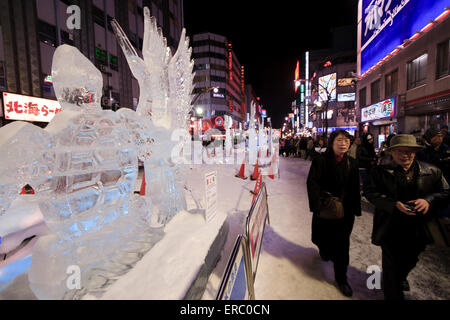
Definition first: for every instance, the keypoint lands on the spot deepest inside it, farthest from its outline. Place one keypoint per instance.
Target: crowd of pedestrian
(302, 147)
(406, 181)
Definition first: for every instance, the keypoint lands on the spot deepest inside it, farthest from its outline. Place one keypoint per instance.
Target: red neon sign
(230, 60)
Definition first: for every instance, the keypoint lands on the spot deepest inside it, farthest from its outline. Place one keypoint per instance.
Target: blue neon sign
(387, 23)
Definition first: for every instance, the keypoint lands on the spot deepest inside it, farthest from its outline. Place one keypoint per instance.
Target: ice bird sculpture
(166, 84)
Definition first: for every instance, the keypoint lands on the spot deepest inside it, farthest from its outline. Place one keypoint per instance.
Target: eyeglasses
(407, 152)
(343, 140)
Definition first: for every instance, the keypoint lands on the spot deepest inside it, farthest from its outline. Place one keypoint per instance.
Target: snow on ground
(290, 267)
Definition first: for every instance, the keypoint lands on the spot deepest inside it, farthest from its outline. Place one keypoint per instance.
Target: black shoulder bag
(331, 207)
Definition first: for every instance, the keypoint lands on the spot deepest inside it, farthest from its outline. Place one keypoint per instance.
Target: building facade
(216, 66)
(406, 89)
(31, 30)
(333, 93)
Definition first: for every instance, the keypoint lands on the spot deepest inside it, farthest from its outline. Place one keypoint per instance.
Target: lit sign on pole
(384, 25)
(380, 110)
(342, 97)
(327, 87)
(302, 92)
(18, 107)
(297, 76)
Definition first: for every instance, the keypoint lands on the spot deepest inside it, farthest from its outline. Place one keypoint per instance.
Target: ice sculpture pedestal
(179, 265)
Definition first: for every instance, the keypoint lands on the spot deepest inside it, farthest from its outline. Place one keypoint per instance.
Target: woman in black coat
(336, 173)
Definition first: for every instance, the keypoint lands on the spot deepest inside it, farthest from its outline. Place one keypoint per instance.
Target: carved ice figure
(228, 140)
(252, 137)
(83, 168)
(166, 84)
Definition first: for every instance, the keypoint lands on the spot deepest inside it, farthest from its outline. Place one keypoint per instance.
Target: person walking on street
(335, 174)
(366, 156)
(354, 147)
(302, 147)
(444, 130)
(406, 194)
(310, 148)
(320, 146)
(436, 152)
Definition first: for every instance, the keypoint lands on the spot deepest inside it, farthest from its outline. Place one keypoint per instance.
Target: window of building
(417, 71)
(443, 59)
(375, 91)
(113, 64)
(47, 33)
(99, 16)
(101, 56)
(391, 84)
(362, 97)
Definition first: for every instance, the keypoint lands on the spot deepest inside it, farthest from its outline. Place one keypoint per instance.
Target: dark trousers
(333, 239)
(398, 260)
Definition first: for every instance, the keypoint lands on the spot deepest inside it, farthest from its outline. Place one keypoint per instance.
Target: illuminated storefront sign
(342, 97)
(332, 129)
(380, 110)
(327, 87)
(345, 82)
(19, 107)
(386, 24)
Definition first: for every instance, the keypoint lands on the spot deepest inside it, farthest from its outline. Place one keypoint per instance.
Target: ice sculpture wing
(181, 80)
(138, 68)
(151, 72)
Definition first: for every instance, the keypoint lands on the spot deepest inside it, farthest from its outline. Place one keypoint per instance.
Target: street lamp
(204, 90)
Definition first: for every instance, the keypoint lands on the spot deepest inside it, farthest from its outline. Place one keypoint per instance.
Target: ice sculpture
(229, 156)
(252, 137)
(166, 84)
(83, 168)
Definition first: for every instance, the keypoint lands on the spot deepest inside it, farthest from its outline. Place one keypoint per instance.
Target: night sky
(269, 37)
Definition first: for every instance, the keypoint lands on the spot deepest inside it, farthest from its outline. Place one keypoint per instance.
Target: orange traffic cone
(27, 190)
(142, 191)
(271, 175)
(241, 173)
(255, 174)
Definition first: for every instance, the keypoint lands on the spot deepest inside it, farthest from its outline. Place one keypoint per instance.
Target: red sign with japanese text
(19, 107)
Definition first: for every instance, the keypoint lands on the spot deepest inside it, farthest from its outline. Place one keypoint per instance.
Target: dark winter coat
(326, 175)
(386, 186)
(365, 153)
(439, 158)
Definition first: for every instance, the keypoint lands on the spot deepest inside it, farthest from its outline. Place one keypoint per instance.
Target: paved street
(290, 267)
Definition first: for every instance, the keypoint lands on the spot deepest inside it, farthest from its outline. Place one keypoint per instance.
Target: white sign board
(211, 195)
(19, 107)
(342, 97)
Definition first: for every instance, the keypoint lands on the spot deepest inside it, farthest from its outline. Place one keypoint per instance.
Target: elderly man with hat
(406, 194)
